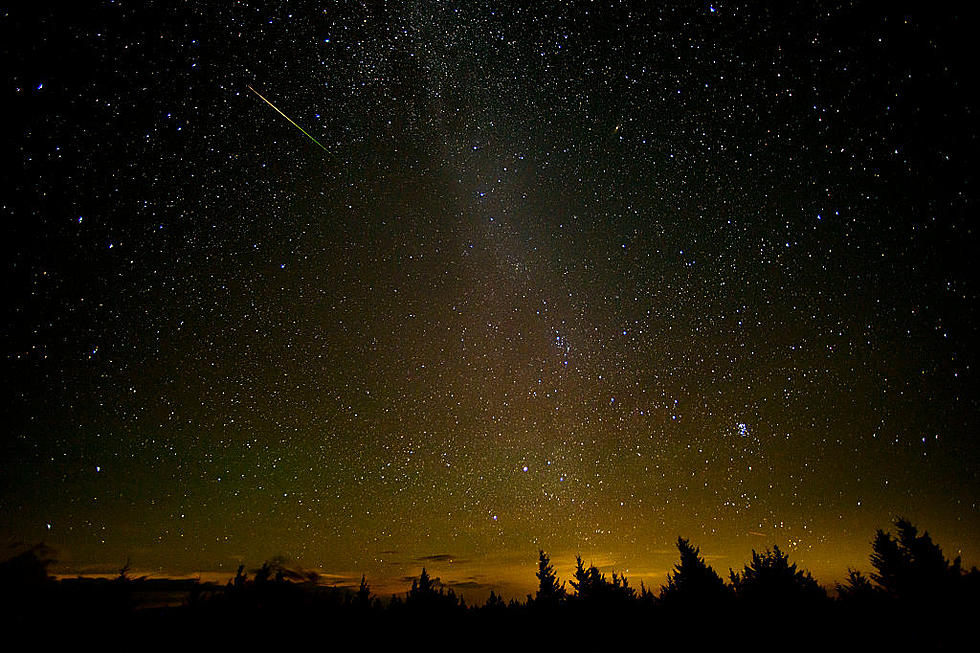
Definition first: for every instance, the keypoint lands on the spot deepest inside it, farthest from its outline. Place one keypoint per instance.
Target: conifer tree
(770, 578)
(857, 588)
(911, 565)
(363, 596)
(550, 592)
(423, 588)
(692, 579)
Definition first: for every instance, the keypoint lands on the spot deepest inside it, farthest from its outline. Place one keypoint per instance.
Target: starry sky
(580, 276)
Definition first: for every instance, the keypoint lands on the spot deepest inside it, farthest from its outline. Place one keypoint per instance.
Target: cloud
(341, 581)
(474, 585)
(440, 557)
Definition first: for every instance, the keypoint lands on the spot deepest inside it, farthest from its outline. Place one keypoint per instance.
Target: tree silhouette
(911, 565)
(124, 572)
(550, 593)
(240, 578)
(591, 585)
(363, 597)
(692, 580)
(425, 594)
(620, 590)
(646, 596)
(857, 588)
(586, 581)
(263, 573)
(494, 602)
(422, 587)
(24, 583)
(26, 569)
(770, 578)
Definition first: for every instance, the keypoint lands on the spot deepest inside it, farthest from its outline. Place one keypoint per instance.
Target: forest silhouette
(914, 598)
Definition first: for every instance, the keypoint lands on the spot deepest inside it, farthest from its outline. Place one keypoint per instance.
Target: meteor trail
(287, 118)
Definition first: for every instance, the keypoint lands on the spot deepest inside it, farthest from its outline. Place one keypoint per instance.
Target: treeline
(912, 584)
(910, 569)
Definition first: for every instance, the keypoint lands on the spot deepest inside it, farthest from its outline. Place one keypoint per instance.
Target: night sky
(579, 276)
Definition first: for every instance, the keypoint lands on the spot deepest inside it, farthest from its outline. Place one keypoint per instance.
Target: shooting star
(288, 118)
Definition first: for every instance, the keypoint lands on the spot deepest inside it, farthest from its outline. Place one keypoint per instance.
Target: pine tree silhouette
(494, 602)
(857, 588)
(771, 579)
(550, 592)
(422, 587)
(646, 596)
(263, 573)
(912, 566)
(425, 594)
(587, 582)
(620, 591)
(363, 597)
(240, 578)
(692, 580)
(591, 586)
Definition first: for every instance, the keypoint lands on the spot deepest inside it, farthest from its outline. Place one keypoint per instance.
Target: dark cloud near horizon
(471, 585)
(440, 557)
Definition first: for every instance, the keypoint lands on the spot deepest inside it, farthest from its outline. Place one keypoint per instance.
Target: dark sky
(580, 276)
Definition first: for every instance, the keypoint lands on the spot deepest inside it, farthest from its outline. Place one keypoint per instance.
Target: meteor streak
(287, 118)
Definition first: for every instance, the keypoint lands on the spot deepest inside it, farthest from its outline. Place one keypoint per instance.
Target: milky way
(577, 276)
